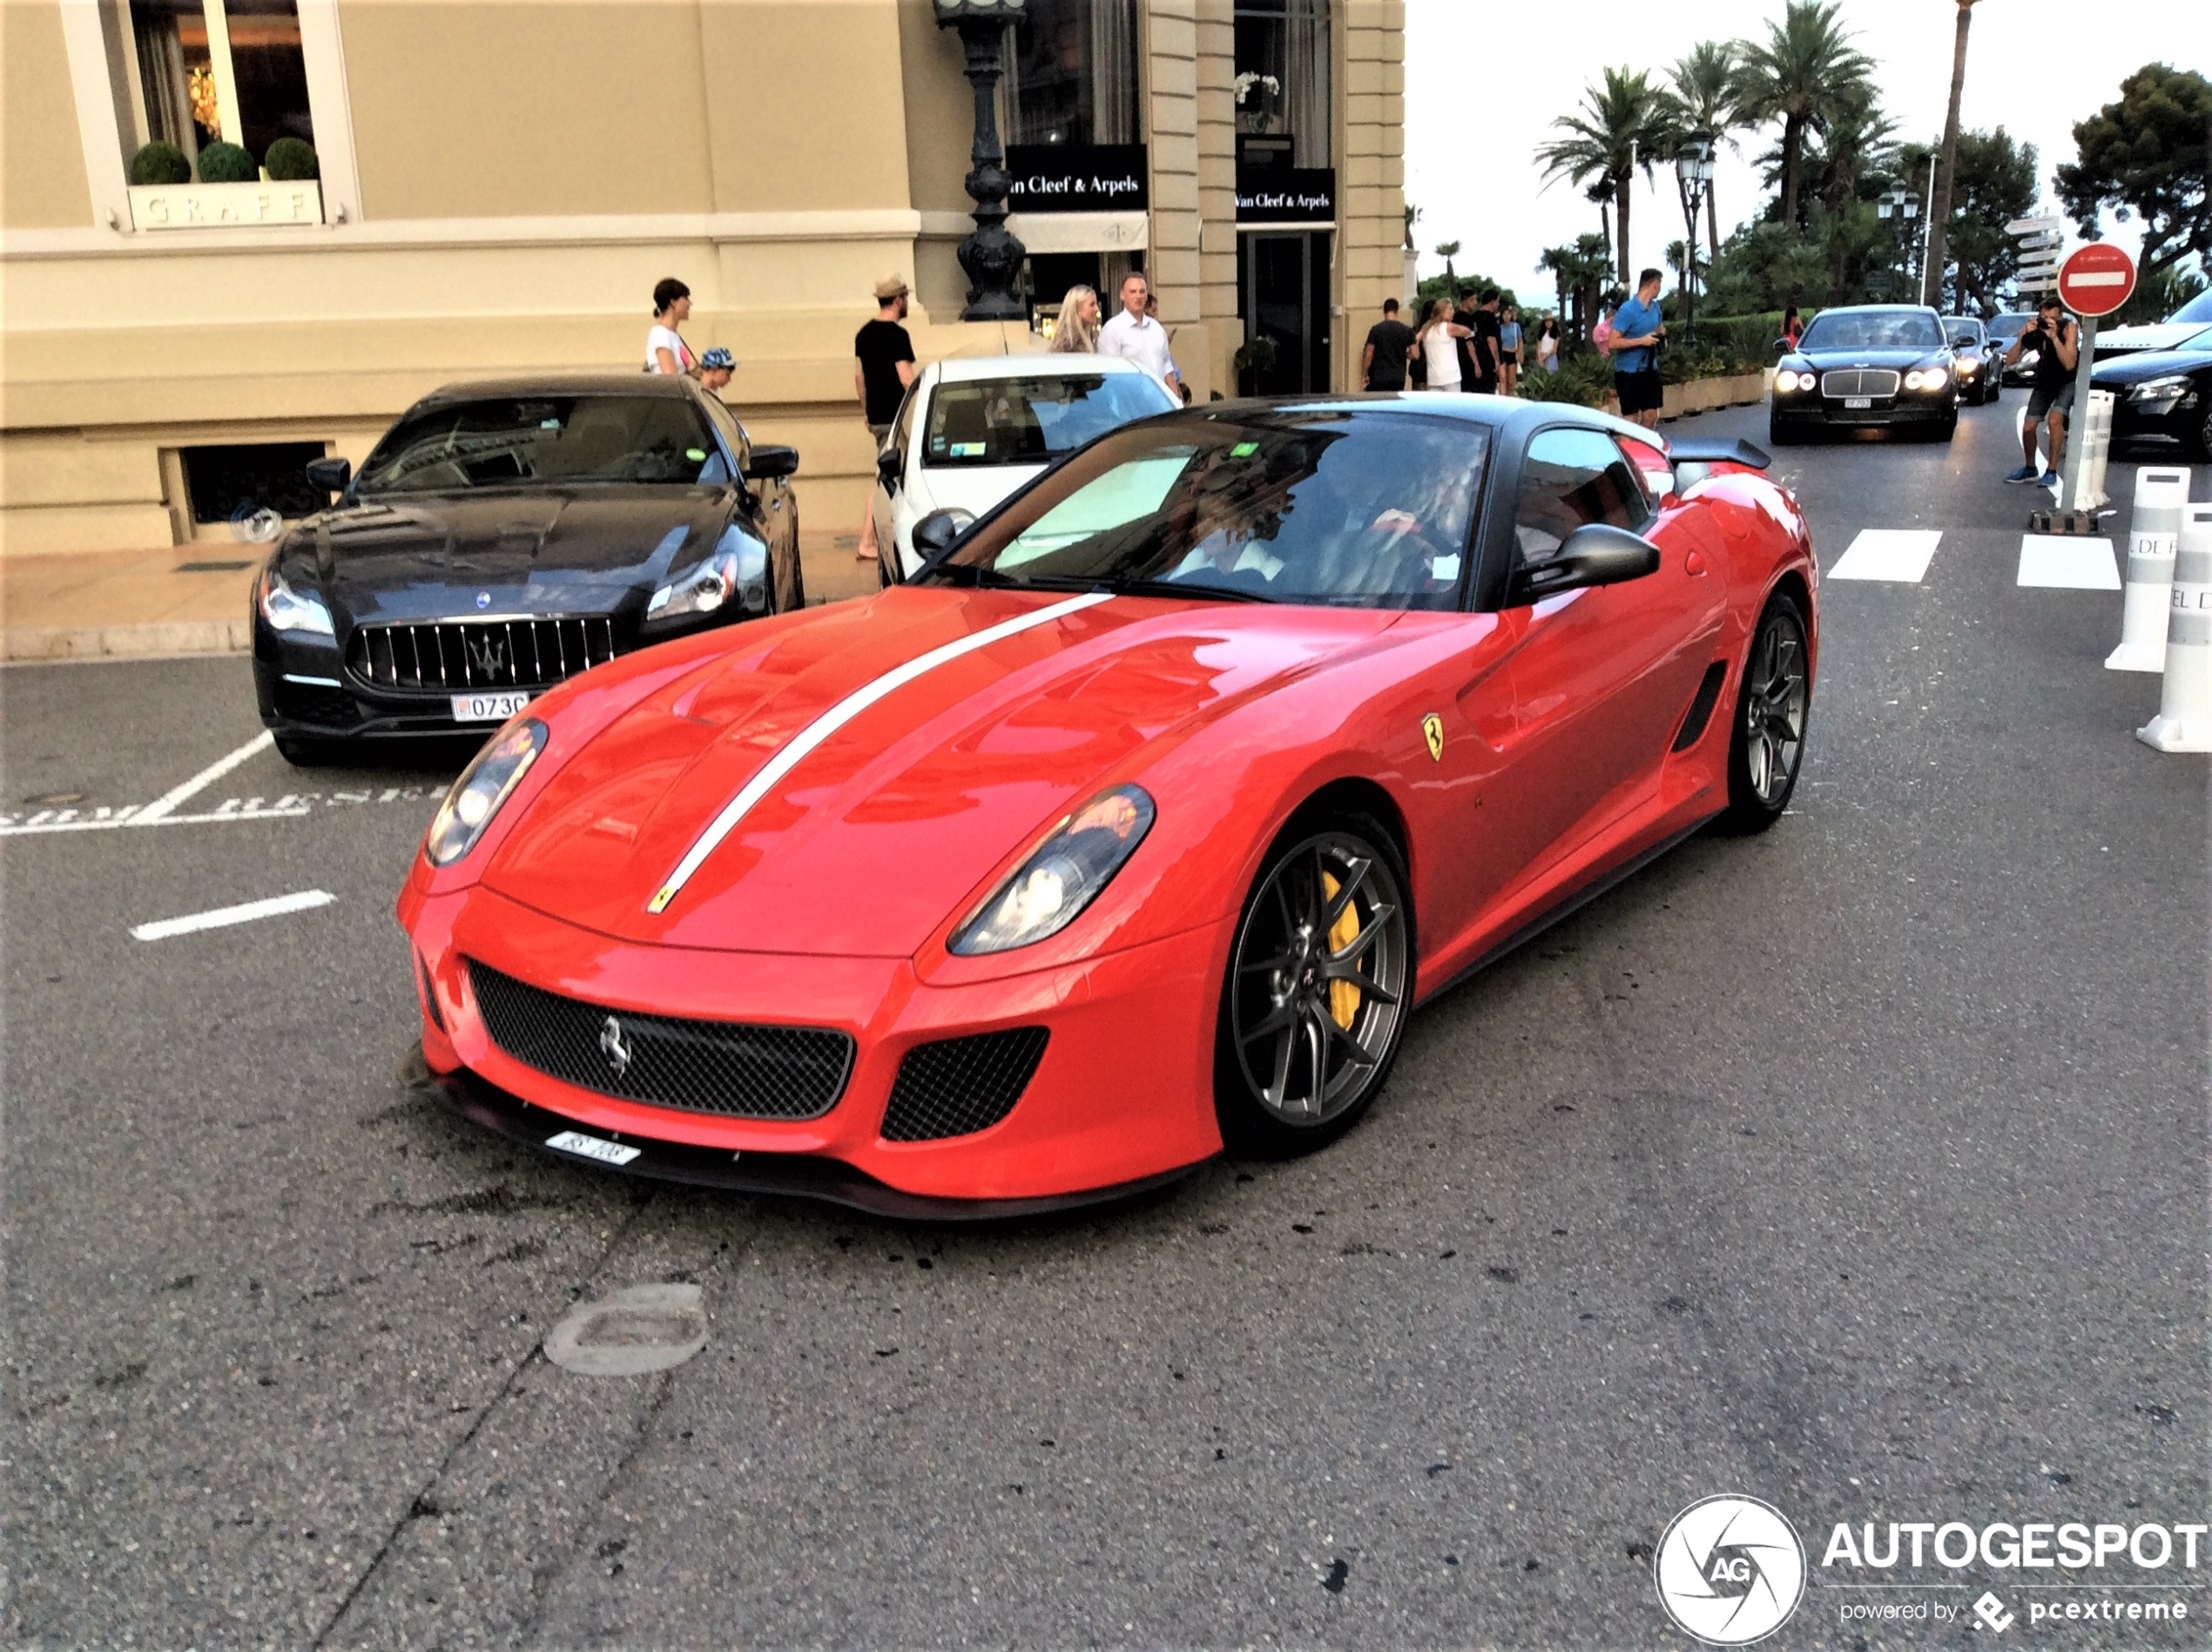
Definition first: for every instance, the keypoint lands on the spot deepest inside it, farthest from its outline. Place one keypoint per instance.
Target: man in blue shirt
(1637, 329)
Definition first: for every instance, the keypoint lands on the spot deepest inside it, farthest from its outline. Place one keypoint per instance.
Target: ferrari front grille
(738, 1070)
(1859, 381)
(477, 654)
(958, 1086)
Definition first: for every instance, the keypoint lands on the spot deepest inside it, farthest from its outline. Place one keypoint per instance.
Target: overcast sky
(1471, 133)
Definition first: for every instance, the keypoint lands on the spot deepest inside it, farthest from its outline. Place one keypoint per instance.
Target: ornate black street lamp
(991, 256)
(1695, 162)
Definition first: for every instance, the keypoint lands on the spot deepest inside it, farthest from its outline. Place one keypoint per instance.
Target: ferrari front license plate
(592, 1147)
(488, 708)
(1855, 401)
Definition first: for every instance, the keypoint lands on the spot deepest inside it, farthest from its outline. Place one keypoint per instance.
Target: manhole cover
(645, 1328)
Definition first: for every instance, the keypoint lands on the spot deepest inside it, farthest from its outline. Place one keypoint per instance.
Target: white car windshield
(1032, 420)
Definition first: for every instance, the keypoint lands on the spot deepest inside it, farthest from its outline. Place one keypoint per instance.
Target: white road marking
(293, 805)
(276, 906)
(165, 805)
(1899, 556)
(2065, 561)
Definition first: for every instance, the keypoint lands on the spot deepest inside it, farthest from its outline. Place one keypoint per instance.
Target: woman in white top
(665, 351)
(1439, 354)
(1077, 330)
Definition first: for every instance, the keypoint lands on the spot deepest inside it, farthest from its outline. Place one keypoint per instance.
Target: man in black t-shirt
(1382, 364)
(883, 366)
(1485, 345)
(1464, 315)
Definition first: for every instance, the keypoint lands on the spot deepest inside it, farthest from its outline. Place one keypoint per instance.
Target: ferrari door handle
(1695, 563)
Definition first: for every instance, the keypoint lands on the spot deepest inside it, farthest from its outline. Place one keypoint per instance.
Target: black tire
(303, 753)
(1763, 771)
(1296, 1062)
(1779, 437)
(2202, 445)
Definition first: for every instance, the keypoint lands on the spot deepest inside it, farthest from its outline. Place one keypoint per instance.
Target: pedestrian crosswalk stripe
(2060, 561)
(1898, 556)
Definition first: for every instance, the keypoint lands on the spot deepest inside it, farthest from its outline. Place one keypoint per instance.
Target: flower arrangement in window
(1256, 99)
(206, 108)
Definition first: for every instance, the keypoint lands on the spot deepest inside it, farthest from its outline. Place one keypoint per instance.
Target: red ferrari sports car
(1132, 828)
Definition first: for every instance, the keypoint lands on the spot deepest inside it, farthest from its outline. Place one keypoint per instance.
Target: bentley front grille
(1870, 382)
(738, 1070)
(476, 654)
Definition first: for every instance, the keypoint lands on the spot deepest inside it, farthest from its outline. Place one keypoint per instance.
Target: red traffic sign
(2096, 278)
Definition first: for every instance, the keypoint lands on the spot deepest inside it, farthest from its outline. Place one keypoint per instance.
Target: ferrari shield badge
(1432, 731)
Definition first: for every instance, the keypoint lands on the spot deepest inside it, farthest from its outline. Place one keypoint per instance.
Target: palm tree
(1701, 93)
(1932, 291)
(1800, 75)
(1601, 145)
(1577, 271)
(1447, 251)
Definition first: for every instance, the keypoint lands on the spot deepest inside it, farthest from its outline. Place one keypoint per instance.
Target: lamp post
(991, 256)
(1694, 164)
(1898, 203)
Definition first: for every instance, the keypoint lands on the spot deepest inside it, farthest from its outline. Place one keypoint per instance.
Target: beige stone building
(498, 183)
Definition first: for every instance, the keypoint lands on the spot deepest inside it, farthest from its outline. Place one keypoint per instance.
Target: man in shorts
(2051, 397)
(1637, 329)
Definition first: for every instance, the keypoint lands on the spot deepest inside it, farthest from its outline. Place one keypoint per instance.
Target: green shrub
(1750, 338)
(1582, 380)
(291, 159)
(159, 164)
(227, 164)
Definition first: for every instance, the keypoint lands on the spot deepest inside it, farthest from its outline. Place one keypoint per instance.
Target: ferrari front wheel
(1320, 980)
(1768, 744)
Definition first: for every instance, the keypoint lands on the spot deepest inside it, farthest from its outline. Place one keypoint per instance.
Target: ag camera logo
(1730, 1570)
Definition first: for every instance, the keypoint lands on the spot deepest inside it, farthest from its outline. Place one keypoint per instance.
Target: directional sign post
(2094, 280)
(2040, 239)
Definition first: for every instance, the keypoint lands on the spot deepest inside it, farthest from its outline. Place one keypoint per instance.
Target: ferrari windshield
(1365, 509)
(1872, 330)
(1034, 421)
(505, 441)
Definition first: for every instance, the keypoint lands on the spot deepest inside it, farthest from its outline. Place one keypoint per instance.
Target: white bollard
(2184, 719)
(2153, 530)
(2097, 438)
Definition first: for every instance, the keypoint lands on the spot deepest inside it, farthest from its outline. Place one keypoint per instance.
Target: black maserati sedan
(505, 535)
(1978, 364)
(2161, 397)
(1867, 366)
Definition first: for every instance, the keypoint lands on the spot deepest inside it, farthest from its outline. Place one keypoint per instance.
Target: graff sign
(225, 205)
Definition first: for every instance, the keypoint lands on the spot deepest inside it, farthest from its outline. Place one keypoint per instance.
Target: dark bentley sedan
(1869, 367)
(504, 537)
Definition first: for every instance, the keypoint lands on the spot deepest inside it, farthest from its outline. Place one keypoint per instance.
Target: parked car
(2189, 327)
(1977, 373)
(2002, 330)
(1866, 367)
(504, 537)
(1136, 828)
(2161, 397)
(974, 428)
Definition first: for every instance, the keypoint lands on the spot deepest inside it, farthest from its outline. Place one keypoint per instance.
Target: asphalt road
(1860, 1168)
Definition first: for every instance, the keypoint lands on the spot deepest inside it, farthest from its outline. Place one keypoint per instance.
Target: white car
(974, 428)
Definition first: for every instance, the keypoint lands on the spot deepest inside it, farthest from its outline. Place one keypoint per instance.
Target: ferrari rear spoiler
(1732, 450)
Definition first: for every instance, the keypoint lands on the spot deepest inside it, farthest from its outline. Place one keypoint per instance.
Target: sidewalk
(192, 599)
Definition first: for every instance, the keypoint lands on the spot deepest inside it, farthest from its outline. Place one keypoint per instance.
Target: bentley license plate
(1857, 402)
(488, 708)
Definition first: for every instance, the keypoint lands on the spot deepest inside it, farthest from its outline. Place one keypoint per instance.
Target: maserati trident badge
(1432, 731)
(613, 1046)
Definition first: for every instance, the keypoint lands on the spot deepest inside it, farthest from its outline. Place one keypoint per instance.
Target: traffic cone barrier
(2153, 530)
(2184, 719)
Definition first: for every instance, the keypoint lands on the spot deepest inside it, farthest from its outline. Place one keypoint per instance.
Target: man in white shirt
(1138, 337)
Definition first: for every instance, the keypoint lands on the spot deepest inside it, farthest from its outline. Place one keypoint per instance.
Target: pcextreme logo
(1730, 1570)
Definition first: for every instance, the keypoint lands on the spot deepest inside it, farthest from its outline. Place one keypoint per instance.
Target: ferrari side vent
(736, 1068)
(430, 995)
(1701, 706)
(958, 1086)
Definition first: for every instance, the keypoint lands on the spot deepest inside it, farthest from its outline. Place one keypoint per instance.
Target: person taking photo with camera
(2058, 345)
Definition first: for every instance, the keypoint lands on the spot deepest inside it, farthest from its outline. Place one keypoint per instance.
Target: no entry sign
(2096, 280)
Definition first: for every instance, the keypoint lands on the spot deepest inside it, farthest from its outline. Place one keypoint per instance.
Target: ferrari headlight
(2170, 389)
(1057, 881)
(737, 567)
(483, 785)
(1926, 378)
(287, 609)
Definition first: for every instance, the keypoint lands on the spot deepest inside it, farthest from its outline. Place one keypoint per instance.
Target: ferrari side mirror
(1596, 554)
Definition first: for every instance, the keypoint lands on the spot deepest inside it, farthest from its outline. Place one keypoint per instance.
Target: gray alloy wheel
(1320, 980)
(1768, 743)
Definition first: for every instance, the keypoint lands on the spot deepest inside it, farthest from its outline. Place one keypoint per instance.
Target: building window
(1282, 85)
(1072, 77)
(204, 70)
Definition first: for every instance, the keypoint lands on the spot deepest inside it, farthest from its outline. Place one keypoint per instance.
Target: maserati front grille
(476, 654)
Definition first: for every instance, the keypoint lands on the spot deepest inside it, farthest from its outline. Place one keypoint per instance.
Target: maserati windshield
(1873, 330)
(1367, 510)
(506, 442)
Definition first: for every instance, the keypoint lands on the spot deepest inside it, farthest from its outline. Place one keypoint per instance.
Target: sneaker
(2026, 473)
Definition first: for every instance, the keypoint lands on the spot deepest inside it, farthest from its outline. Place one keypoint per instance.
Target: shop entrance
(1283, 295)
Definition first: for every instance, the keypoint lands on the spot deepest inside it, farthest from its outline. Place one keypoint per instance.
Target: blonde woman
(1076, 332)
(1436, 341)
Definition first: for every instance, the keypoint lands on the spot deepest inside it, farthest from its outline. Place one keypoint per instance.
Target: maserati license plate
(488, 708)
(1855, 402)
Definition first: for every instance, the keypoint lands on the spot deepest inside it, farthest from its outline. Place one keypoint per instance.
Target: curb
(155, 641)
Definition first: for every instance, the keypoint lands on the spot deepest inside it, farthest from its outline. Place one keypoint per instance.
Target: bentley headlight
(1789, 382)
(1063, 875)
(483, 785)
(287, 609)
(2171, 388)
(739, 568)
(1926, 378)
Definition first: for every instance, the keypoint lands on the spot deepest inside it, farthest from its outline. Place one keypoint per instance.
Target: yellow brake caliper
(1343, 997)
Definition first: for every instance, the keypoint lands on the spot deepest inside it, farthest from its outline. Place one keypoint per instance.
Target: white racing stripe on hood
(836, 718)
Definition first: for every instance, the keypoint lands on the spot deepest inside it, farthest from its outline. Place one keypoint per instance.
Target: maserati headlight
(739, 568)
(2171, 388)
(1966, 368)
(483, 785)
(1926, 378)
(287, 609)
(1066, 872)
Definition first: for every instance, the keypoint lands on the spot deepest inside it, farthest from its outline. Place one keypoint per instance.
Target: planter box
(189, 206)
(1703, 395)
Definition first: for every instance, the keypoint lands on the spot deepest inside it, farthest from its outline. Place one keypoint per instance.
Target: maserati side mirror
(330, 475)
(768, 464)
(935, 533)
